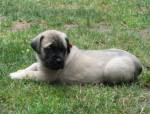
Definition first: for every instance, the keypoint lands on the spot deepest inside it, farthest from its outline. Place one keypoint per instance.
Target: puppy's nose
(59, 60)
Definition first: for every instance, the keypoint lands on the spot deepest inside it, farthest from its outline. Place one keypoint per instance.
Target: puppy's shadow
(67, 88)
(57, 88)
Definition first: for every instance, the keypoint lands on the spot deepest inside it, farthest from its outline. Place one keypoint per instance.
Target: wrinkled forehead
(52, 36)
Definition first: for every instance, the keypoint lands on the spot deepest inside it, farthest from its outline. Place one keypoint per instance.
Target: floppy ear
(36, 44)
(68, 45)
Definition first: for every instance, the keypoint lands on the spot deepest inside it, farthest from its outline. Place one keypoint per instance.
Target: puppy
(57, 60)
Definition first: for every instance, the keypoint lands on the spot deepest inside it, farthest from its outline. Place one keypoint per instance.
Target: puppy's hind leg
(119, 70)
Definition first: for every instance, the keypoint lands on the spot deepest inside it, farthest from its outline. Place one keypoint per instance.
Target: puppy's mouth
(54, 64)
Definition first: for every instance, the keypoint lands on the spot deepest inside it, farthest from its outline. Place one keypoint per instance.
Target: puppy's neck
(74, 51)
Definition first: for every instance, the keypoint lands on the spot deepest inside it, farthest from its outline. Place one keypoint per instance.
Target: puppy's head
(52, 48)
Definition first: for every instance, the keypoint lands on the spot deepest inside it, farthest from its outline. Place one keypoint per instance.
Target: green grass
(90, 24)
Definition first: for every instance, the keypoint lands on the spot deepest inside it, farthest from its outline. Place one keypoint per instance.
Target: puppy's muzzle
(54, 63)
(58, 63)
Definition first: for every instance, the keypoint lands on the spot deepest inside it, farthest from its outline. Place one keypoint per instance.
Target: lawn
(90, 24)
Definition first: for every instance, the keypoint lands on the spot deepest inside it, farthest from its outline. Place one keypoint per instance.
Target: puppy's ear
(68, 45)
(36, 44)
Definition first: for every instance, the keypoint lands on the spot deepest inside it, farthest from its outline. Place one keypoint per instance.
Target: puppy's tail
(138, 68)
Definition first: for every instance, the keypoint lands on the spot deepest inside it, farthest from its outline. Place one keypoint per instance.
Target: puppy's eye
(50, 46)
(47, 48)
(63, 49)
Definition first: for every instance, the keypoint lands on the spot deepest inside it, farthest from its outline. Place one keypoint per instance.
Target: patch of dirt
(144, 33)
(20, 25)
(101, 27)
(42, 23)
(2, 18)
(148, 67)
(141, 9)
(70, 26)
(58, 5)
(145, 98)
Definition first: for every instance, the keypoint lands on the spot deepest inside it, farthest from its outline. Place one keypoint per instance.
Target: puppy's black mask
(52, 56)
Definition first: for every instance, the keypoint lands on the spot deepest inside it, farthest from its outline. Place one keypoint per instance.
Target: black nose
(59, 60)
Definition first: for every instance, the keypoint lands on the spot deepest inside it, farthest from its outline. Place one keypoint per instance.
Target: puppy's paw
(17, 75)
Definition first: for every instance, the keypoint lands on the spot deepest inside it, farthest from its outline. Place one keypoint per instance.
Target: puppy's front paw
(17, 75)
